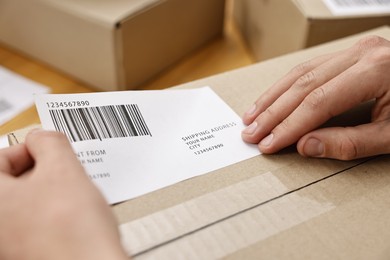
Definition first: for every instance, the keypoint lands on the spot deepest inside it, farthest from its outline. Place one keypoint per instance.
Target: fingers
(347, 143)
(281, 86)
(349, 89)
(52, 152)
(353, 86)
(15, 160)
(299, 90)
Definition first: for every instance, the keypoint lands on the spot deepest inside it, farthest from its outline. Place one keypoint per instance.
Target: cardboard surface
(353, 195)
(111, 45)
(273, 28)
(280, 206)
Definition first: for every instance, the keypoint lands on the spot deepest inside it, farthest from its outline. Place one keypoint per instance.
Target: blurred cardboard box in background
(273, 28)
(110, 45)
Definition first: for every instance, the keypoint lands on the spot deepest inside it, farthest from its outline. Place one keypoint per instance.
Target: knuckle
(349, 149)
(370, 42)
(302, 68)
(379, 55)
(269, 112)
(285, 125)
(315, 99)
(305, 80)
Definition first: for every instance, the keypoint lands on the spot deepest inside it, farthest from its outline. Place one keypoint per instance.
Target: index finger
(52, 152)
(334, 97)
(282, 85)
(15, 160)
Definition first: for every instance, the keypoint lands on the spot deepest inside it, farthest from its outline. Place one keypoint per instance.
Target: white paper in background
(173, 135)
(16, 94)
(3, 141)
(358, 7)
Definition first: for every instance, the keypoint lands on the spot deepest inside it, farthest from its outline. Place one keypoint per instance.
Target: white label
(134, 142)
(358, 7)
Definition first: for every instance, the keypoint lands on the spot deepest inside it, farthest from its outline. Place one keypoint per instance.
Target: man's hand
(49, 207)
(315, 91)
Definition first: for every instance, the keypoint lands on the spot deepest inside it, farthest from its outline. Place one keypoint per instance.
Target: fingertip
(252, 110)
(311, 147)
(266, 144)
(43, 142)
(35, 131)
(250, 129)
(249, 115)
(247, 121)
(40, 133)
(252, 133)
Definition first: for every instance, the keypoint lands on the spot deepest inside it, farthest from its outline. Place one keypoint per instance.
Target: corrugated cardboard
(273, 28)
(280, 206)
(111, 45)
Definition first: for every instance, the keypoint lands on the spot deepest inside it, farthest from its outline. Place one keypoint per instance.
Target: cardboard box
(110, 45)
(273, 28)
(280, 206)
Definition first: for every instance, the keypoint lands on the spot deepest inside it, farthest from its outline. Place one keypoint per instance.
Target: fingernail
(251, 128)
(267, 140)
(313, 147)
(35, 130)
(252, 110)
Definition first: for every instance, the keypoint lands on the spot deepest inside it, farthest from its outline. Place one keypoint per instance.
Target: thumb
(347, 143)
(51, 150)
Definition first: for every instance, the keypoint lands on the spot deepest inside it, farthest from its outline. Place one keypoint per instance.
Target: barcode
(344, 3)
(4, 105)
(103, 122)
